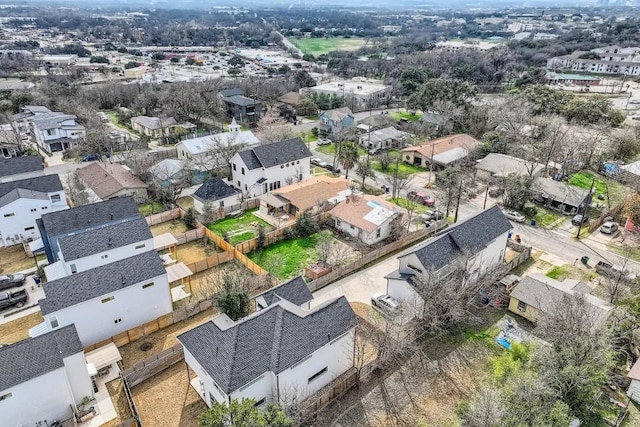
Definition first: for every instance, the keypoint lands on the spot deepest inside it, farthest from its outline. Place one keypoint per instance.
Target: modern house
(440, 153)
(383, 139)
(295, 291)
(217, 192)
(21, 121)
(369, 219)
(55, 131)
(110, 180)
(537, 295)
(23, 202)
(278, 354)
(480, 239)
(337, 120)
(359, 94)
(238, 106)
(107, 300)
(17, 168)
(602, 60)
(43, 379)
(264, 168)
(154, 127)
(496, 165)
(560, 196)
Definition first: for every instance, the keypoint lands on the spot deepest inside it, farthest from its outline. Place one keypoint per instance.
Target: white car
(323, 141)
(319, 162)
(385, 303)
(514, 216)
(609, 227)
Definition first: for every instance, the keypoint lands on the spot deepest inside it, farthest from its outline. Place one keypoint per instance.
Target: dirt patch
(175, 226)
(14, 259)
(18, 329)
(194, 251)
(120, 403)
(167, 399)
(200, 288)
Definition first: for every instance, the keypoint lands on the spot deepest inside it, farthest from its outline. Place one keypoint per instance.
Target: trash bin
(584, 260)
(36, 278)
(533, 222)
(510, 234)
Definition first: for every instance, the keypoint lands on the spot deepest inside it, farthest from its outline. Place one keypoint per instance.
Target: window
(378, 233)
(8, 395)
(33, 209)
(55, 198)
(44, 208)
(239, 184)
(107, 299)
(234, 166)
(73, 268)
(338, 222)
(317, 374)
(140, 246)
(105, 256)
(51, 132)
(118, 320)
(281, 166)
(415, 268)
(298, 162)
(522, 306)
(29, 228)
(147, 285)
(9, 214)
(53, 321)
(242, 171)
(351, 225)
(222, 203)
(259, 402)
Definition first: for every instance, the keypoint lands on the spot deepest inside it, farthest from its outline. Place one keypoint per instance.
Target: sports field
(318, 46)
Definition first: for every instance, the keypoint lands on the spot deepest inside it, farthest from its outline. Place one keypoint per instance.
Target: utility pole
(486, 193)
(584, 211)
(455, 218)
(431, 161)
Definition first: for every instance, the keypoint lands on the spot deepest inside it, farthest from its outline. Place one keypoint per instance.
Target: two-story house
(56, 131)
(280, 353)
(17, 168)
(43, 379)
(21, 121)
(238, 106)
(263, 168)
(480, 239)
(338, 120)
(23, 202)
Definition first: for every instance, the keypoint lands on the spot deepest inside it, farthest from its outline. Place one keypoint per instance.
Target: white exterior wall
(205, 380)
(23, 217)
(366, 237)
(227, 201)
(247, 183)
(44, 136)
(131, 307)
(78, 376)
(633, 391)
(336, 356)
(46, 397)
(264, 387)
(107, 257)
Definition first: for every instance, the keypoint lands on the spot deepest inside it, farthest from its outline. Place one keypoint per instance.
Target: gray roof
(214, 189)
(104, 238)
(273, 339)
(95, 214)
(231, 92)
(338, 114)
(39, 184)
(241, 100)
(18, 165)
(276, 153)
(469, 236)
(44, 121)
(561, 192)
(501, 165)
(19, 193)
(154, 122)
(295, 291)
(33, 357)
(99, 281)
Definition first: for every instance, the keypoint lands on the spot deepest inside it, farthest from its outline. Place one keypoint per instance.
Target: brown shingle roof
(306, 194)
(355, 208)
(106, 179)
(291, 98)
(444, 144)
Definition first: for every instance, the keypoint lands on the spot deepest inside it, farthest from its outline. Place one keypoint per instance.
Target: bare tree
(619, 283)
(75, 189)
(487, 409)
(272, 128)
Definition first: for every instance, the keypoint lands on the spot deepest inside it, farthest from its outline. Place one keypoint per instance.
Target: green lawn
(331, 150)
(287, 258)
(617, 191)
(558, 273)
(319, 46)
(243, 224)
(406, 115)
(547, 218)
(632, 253)
(242, 237)
(150, 208)
(114, 118)
(403, 168)
(407, 204)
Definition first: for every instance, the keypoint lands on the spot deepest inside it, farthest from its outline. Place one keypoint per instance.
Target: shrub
(530, 211)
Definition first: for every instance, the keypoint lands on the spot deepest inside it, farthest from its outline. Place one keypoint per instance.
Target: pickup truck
(614, 272)
(9, 299)
(11, 280)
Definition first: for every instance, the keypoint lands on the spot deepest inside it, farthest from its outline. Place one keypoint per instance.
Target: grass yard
(150, 208)
(13, 259)
(18, 329)
(558, 273)
(247, 222)
(287, 258)
(320, 46)
(625, 251)
(406, 115)
(115, 119)
(407, 204)
(546, 218)
(331, 150)
(617, 191)
(403, 168)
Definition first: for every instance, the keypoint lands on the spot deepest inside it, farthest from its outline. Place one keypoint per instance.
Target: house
(17, 168)
(634, 387)
(263, 168)
(537, 295)
(383, 139)
(107, 300)
(11, 143)
(603, 60)
(54, 226)
(238, 106)
(21, 121)
(167, 172)
(43, 379)
(496, 165)
(154, 127)
(54, 131)
(309, 195)
(217, 192)
(572, 79)
(440, 153)
(337, 120)
(561, 196)
(481, 239)
(291, 100)
(359, 94)
(278, 354)
(23, 202)
(295, 291)
(374, 122)
(110, 180)
(367, 218)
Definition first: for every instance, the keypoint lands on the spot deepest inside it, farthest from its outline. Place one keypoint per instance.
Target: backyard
(404, 169)
(287, 258)
(174, 227)
(240, 229)
(18, 329)
(14, 259)
(150, 208)
(320, 46)
(194, 251)
(616, 191)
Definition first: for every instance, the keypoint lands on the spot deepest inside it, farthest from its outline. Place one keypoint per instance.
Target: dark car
(10, 299)
(11, 280)
(579, 220)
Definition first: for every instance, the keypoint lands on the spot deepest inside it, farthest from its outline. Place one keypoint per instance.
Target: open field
(175, 226)
(14, 259)
(320, 46)
(18, 329)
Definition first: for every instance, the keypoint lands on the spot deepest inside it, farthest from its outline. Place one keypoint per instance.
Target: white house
(295, 291)
(56, 131)
(43, 379)
(23, 202)
(481, 239)
(264, 168)
(383, 139)
(107, 300)
(634, 388)
(367, 218)
(217, 192)
(359, 93)
(279, 354)
(21, 121)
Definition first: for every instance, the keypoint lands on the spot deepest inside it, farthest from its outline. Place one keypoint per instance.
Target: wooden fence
(320, 399)
(164, 216)
(524, 255)
(226, 246)
(152, 365)
(132, 404)
(211, 261)
(189, 236)
(161, 322)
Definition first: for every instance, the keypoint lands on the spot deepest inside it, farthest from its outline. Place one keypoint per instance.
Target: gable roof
(291, 98)
(33, 357)
(231, 92)
(271, 340)
(38, 185)
(92, 215)
(501, 165)
(455, 146)
(365, 212)
(104, 238)
(559, 191)
(154, 122)
(106, 179)
(241, 100)
(338, 114)
(274, 154)
(219, 140)
(18, 165)
(167, 168)
(214, 189)
(99, 281)
(471, 235)
(295, 291)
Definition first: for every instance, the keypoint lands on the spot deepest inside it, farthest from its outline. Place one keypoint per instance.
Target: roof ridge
(277, 340)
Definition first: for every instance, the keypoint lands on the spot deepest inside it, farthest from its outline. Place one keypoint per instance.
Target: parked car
(385, 303)
(10, 299)
(609, 227)
(514, 216)
(432, 215)
(323, 141)
(332, 169)
(579, 220)
(634, 101)
(614, 271)
(11, 280)
(422, 198)
(319, 162)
